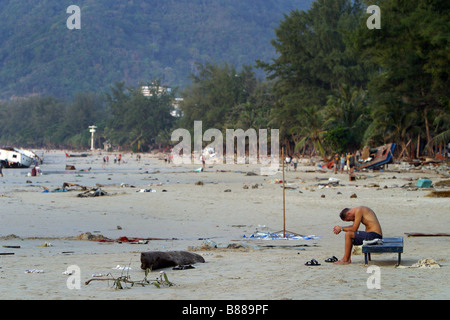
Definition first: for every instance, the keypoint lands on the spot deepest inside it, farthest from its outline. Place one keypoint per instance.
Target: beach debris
(334, 182)
(124, 268)
(125, 185)
(183, 267)
(6, 253)
(424, 183)
(443, 183)
(90, 236)
(46, 244)
(279, 236)
(199, 183)
(70, 167)
(67, 186)
(34, 271)
(146, 190)
(157, 260)
(423, 264)
(121, 281)
(227, 190)
(353, 195)
(96, 192)
(439, 194)
(199, 170)
(255, 186)
(426, 263)
(417, 234)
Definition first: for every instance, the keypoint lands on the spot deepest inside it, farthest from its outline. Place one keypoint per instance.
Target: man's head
(344, 214)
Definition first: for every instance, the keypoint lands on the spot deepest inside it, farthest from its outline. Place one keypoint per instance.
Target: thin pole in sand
(284, 208)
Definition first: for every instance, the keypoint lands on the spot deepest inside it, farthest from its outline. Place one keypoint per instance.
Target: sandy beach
(39, 230)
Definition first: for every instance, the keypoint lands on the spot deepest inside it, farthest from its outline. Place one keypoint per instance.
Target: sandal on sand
(312, 262)
(332, 259)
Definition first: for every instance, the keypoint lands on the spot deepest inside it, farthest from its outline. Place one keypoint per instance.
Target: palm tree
(393, 122)
(346, 109)
(311, 129)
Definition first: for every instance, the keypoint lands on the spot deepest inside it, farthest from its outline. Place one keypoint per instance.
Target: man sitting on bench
(358, 215)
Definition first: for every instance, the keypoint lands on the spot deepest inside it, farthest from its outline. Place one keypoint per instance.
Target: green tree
(314, 58)
(412, 53)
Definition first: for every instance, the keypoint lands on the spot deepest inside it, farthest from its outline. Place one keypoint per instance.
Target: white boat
(17, 158)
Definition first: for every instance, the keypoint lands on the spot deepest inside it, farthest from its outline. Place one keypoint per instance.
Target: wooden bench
(390, 244)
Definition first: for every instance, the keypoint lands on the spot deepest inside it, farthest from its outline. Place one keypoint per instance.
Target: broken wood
(417, 234)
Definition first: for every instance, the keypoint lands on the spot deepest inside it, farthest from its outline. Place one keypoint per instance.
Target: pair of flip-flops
(332, 259)
(312, 262)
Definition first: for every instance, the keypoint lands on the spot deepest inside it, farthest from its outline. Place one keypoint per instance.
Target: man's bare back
(368, 219)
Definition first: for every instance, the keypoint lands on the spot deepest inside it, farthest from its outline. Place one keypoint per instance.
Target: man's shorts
(360, 236)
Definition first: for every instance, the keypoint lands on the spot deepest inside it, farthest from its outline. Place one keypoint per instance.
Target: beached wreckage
(377, 157)
(17, 158)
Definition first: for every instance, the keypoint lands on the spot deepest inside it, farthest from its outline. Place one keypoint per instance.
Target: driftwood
(417, 234)
(156, 260)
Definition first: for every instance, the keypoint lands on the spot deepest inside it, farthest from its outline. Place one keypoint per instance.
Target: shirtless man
(358, 215)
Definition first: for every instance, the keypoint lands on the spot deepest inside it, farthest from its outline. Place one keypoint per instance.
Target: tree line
(334, 86)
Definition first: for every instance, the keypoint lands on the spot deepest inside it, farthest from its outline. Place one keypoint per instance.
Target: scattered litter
(417, 234)
(423, 264)
(424, 183)
(146, 190)
(67, 273)
(119, 267)
(183, 267)
(97, 275)
(426, 263)
(199, 170)
(34, 271)
(46, 244)
(93, 193)
(279, 236)
(439, 194)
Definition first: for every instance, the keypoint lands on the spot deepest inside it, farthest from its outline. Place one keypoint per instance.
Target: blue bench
(390, 244)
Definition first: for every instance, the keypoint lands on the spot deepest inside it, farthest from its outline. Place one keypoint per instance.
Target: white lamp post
(92, 131)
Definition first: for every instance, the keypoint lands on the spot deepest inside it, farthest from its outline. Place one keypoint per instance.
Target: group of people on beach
(117, 159)
(345, 162)
(291, 161)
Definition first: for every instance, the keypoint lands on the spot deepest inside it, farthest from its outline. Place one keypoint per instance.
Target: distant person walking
(1, 168)
(336, 162)
(342, 162)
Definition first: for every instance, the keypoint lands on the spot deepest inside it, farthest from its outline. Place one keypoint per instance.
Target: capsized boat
(17, 158)
(378, 157)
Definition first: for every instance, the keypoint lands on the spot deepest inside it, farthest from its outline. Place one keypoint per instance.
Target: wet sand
(228, 205)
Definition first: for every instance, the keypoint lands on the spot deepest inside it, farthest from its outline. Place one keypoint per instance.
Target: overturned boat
(17, 158)
(378, 157)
